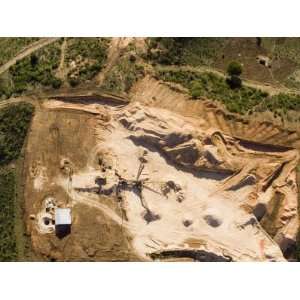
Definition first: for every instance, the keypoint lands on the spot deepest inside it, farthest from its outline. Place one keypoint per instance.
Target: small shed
(63, 221)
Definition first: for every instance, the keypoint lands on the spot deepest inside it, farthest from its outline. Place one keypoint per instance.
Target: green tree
(34, 59)
(234, 82)
(234, 69)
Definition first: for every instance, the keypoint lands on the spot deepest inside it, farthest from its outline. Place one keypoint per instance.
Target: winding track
(27, 51)
(270, 89)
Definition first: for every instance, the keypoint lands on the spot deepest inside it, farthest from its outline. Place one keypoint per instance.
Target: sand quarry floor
(179, 214)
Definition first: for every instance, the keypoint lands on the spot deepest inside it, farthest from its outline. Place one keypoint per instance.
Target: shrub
(56, 83)
(196, 90)
(234, 69)
(234, 82)
(34, 59)
(73, 81)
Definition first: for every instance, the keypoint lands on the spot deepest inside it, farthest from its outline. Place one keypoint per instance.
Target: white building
(63, 221)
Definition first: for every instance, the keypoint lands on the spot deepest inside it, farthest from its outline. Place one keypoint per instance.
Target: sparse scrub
(184, 50)
(123, 75)
(9, 47)
(281, 102)
(85, 58)
(214, 87)
(37, 70)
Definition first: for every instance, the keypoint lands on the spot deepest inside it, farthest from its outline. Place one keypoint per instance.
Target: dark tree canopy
(234, 68)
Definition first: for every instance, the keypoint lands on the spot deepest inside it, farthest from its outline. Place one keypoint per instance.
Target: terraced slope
(159, 94)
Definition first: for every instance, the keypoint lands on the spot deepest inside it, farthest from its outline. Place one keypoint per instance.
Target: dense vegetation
(8, 249)
(9, 47)
(123, 75)
(184, 50)
(14, 123)
(211, 86)
(31, 72)
(85, 57)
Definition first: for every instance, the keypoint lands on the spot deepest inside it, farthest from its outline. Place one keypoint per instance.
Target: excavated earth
(145, 182)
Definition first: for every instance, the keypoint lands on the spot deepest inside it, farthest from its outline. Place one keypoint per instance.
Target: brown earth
(56, 135)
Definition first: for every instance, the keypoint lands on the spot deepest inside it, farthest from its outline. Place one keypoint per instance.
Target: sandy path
(61, 69)
(27, 51)
(116, 45)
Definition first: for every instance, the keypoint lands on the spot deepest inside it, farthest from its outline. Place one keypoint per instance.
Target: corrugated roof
(63, 216)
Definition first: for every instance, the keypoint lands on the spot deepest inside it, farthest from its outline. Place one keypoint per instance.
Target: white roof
(63, 216)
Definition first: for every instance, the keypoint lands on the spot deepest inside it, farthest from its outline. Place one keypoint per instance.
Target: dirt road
(117, 44)
(61, 69)
(27, 51)
(270, 89)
